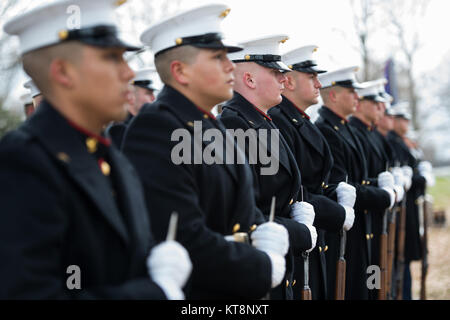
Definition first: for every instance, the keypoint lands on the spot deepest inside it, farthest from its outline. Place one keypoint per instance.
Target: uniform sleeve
(33, 224)
(235, 269)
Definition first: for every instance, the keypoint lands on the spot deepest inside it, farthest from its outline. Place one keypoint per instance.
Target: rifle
(341, 266)
(390, 252)
(427, 207)
(401, 250)
(383, 258)
(306, 292)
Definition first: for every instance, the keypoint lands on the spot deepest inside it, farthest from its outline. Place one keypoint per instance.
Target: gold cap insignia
(247, 57)
(63, 34)
(120, 2)
(178, 41)
(284, 40)
(225, 13)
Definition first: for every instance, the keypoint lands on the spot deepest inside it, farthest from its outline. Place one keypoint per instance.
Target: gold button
(368, 236)
(247, 57)
(178, 41)
(63, 157)
(336, 128)
(366, 212)
(342, 121)
(368, 182)
(105, 167)
(290, 66)
(294, 120)
(251, 122)
(333, 83)
(326, 187)
(91, 144)
(326, 249)
(190, 124)
(371, 236)
(287, 283)
(320, 249)
(323, 184)
(253, 227)
(205, 116)
(291, 202)
(236, 227)
(294, 282)
(363, 182)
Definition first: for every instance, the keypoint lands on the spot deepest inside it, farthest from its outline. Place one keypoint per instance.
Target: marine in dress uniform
(84, 205)
(338, 90)
(363, 120)
(284, 184)
(144, 92)
(313, 158)
(413, 245)
(215, 201)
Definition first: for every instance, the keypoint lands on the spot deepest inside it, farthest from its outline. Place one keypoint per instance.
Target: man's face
(371, 110)
(101, 85)
(401, 126)
(269, 85)
(211, 76)
(143, 96)
(386, 123)
(307, 87)
(346, 100)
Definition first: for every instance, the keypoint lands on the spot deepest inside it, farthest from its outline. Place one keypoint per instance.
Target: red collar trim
(263, 113)
(302, 112)
(209, 114)
(102, 140)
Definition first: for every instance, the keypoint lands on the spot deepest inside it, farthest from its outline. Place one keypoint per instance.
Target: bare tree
(405, 19)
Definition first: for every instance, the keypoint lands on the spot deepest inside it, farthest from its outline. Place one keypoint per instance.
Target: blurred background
(401, 40)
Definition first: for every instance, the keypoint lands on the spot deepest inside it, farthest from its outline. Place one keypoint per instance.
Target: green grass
(441, 193)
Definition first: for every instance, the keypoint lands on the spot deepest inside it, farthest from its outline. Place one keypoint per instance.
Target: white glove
(278, 268)
(407, 176)
(400, 192)
(398, 176)
(425, 167)
(346, 195)
(431, 181)
(273, 239)
(386, 180)
(313, 233)
(349, 218)
(303, 212)
(391, 195)
(170, 267)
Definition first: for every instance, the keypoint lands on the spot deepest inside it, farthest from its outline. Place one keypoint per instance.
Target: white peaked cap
(370, 91)
(50, 24)
(301, 59)
(401, 109)
(345, 77)
(26, 98)
(34, 91)
(144, 74)
(198, 22)
(256, 49)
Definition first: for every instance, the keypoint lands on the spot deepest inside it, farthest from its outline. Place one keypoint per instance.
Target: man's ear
(332, 95)
(248, 80)
(290, 82)
(62, 73)
(178, 71)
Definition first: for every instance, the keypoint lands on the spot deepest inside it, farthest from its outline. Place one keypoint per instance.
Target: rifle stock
(401, 251)
(340, 279)
(390, 253)
(427, 208)
(383, 266)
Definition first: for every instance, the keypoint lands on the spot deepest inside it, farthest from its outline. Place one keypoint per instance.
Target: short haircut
(325, 92)
(186, 54)
(36, 63)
